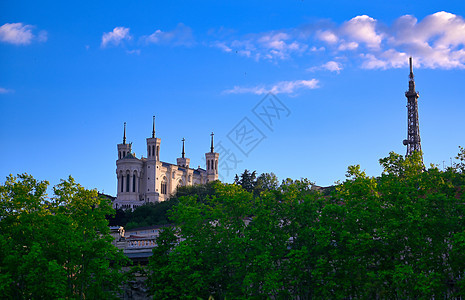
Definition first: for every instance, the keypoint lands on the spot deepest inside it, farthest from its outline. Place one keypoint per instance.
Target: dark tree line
(151, 214)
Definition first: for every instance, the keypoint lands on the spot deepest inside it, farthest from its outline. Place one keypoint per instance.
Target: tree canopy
(253, 184)
(56, 247)
(400, 235)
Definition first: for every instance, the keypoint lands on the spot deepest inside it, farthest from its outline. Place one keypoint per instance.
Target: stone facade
(148, 179)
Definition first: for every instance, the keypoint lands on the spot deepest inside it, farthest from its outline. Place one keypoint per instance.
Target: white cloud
(327, 36)
(282, 87)
(115, 37)
(5, 91)
(362, 29)
(347, 46)
(332, 66)
(437, 41)
(20, 34)
(180, 36)
(222, 46)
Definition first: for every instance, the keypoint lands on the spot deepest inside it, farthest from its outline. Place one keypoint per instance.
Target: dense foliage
(56, 247)
(397, 236)
(148, 214)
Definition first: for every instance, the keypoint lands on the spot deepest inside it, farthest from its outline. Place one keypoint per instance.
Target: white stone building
(147, 179)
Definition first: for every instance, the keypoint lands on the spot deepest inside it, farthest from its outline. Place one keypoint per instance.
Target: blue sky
(72, 73)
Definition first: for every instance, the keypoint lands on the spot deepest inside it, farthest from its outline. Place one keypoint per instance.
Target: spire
(153, 130)
(411, 83)
(411, 68)
(183, 140)
(211, 148)
(124, 134)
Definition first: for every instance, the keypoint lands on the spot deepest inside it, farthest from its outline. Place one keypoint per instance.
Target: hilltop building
(148, 179)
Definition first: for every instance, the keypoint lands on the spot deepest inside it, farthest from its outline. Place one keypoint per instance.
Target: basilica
(147, 179)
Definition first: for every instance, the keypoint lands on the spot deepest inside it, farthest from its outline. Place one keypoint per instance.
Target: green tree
(460, 166)
(247, 180)
(56, 247)
(266, 182)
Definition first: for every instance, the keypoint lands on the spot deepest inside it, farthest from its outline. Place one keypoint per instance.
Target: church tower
(183, 161)
(153, 156)
(413, 141)
(212, 163)
(128, 170)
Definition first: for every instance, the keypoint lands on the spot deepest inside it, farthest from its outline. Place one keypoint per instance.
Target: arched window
(216, 166)
(119, 155)
(163, 186)
(127, 183)
(133, 183)
(148, 150)
(153, 150)
(208, 165)
(122, 183)
(124, 154)
(158, 151)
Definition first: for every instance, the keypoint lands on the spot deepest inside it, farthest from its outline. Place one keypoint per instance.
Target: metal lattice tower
(413, 141)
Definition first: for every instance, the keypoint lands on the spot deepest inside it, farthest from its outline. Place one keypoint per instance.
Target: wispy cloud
(275, 45)
(436, 41)
(135, 51)
(222, 46)
(20, 34)
(5, 91)
(120, 36)
(282, 87)
(180, 36)
(332, 66)
(115, 37)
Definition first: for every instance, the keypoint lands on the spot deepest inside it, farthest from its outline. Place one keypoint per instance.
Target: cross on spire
(211, 147)
(183, 140)
(153, 130)
(124, 134)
